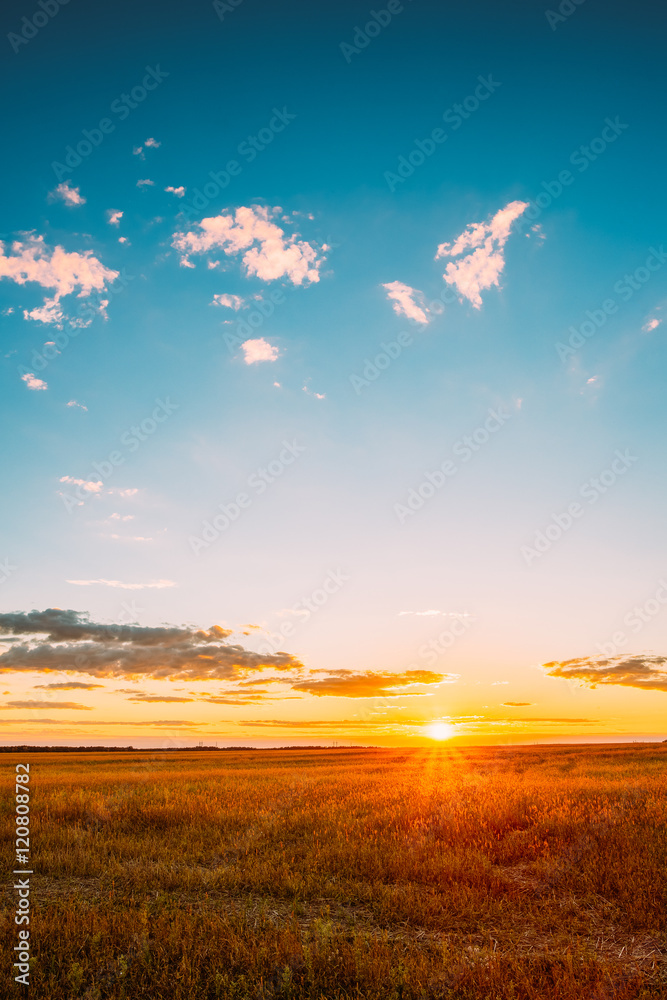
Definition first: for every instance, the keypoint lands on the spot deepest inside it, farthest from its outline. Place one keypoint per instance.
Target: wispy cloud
(114, 216)
(406, 301)
(68, 195)
(482, 244)
(73, 402)
(266, 250)
(651, 324)
(145, 183)
(48, 705)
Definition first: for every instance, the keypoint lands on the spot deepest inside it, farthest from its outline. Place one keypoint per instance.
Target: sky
(333, 341)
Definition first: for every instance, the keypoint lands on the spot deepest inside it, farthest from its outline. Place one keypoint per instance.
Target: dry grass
(450, 874)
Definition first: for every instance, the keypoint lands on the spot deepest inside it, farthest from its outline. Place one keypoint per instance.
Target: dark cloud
(74, 643)
(644, 671)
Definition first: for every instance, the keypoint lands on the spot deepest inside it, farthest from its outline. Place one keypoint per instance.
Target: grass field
(532, 872)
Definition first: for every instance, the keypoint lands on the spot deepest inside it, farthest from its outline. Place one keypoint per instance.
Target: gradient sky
(376, 208)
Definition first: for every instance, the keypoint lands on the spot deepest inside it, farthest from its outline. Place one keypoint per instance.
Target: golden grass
(527, 873)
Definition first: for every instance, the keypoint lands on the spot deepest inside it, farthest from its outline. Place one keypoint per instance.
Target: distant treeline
(28, 749)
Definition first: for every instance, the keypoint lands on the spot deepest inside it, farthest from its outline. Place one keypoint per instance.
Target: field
(532, 873)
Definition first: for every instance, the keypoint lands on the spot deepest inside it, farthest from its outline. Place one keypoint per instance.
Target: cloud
(516, 704)
(89, 485)
(228, 301)
(266, 250)
(67, 686)
(178, 191)
(69, 195)
(33, 382)
(151, 698)
(73, 643)
(259, 350)
(652, 324)
(348, 684)
(156, 584)
(47, 704)
(149, 144)
(481, 268)
(145, 183)
(498, 683)
(114, 216)
(645, 671)
(33, 261)
(73, 402)
(406, 301)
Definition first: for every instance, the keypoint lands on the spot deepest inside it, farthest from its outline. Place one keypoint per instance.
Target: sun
(440, 730)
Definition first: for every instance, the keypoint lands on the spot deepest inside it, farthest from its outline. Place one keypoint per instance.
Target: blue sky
(331, 227)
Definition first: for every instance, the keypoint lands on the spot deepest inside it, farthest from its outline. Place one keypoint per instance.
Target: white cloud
(33, 382)
(259, 350)
(481, 268)
(178, 191)
(73, 402)
(114, 216)
(229, 301)
(69, 195)
(652, 324)
(33, 261)
(266, 250)
(149, 144)
(88, 485)
(406, 301)
(145, 183)
(155, 584)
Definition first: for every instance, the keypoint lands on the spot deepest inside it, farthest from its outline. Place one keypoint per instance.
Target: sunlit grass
(446, 874)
